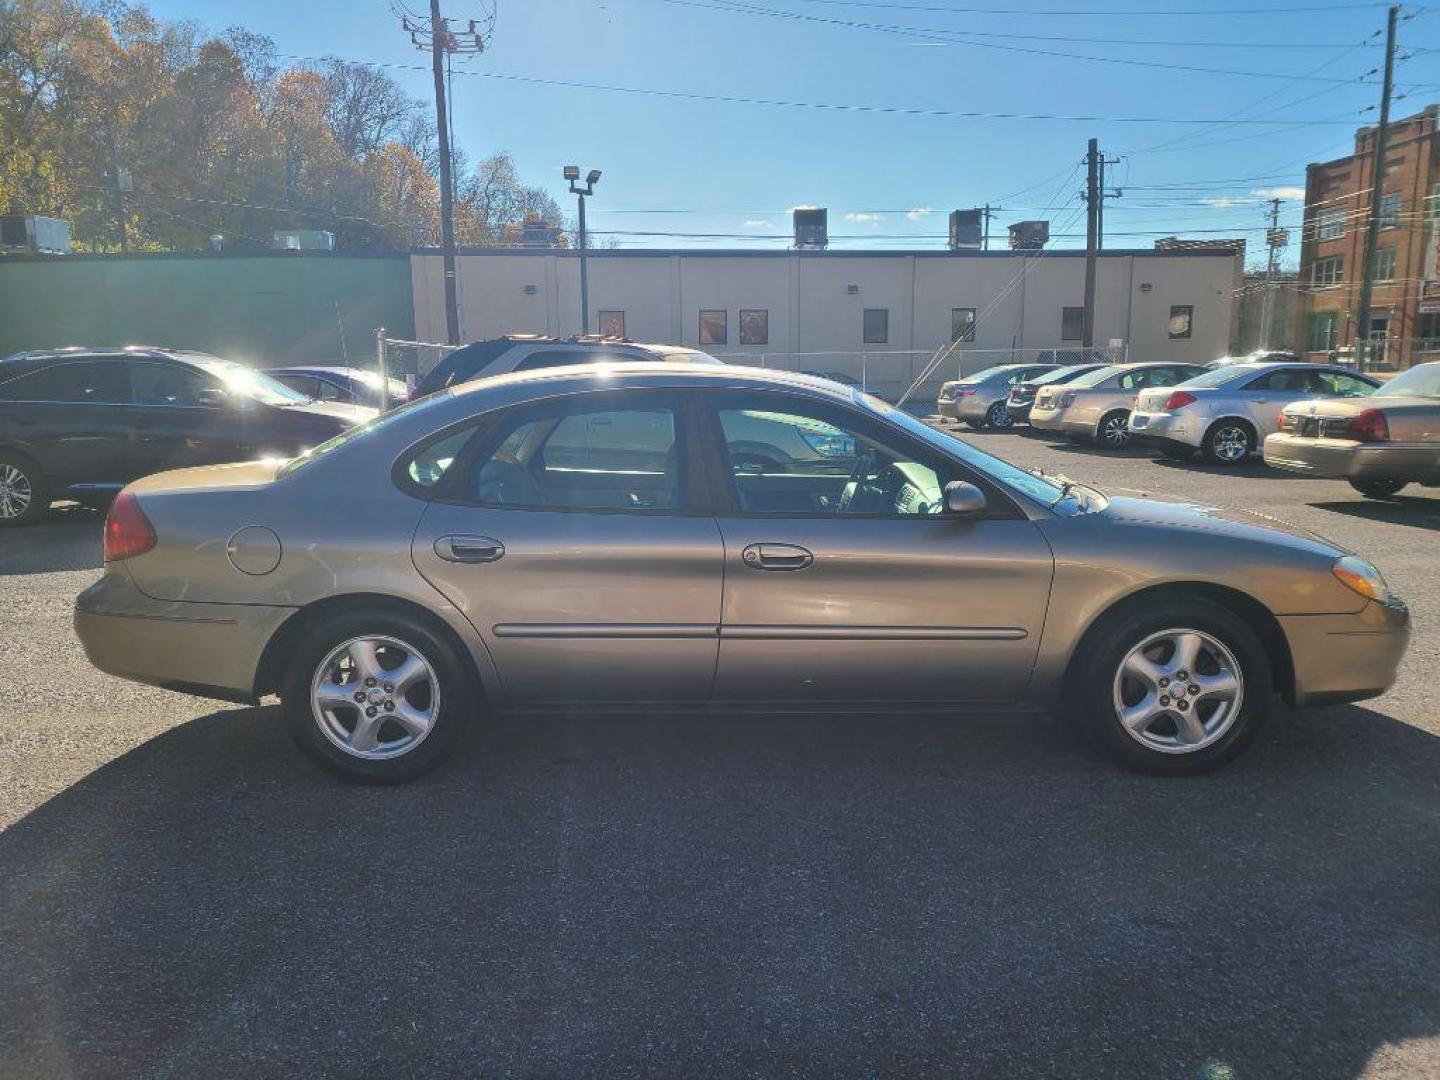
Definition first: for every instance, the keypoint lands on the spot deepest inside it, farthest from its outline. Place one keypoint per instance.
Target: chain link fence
(913, 375)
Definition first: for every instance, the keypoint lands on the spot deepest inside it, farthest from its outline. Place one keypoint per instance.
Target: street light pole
(572, 174)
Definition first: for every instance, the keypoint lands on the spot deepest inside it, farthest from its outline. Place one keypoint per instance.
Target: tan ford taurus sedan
(1379, 443)
(651, 535)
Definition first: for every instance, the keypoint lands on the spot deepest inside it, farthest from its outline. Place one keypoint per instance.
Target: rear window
(1422, 381)
(94, 382)
(1059, 375)
(1096, 377)
(1217, 377)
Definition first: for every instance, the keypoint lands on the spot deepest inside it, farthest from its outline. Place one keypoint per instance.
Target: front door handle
(469, 549)
(776, 557)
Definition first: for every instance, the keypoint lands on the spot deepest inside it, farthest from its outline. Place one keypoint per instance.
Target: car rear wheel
(24, 494)
(999, 416)
(377, 698)
(1378, 489)
(1229, 442)
(1173, 692)
(1114, 431)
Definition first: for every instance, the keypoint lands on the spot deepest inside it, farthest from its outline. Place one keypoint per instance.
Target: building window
(1432, 203)
(1428, 331)
(1326, 271)
(1322, 331)
(1329, 224)
(1181, 316)
(962, 324)
(875, 329)
(1389, 211)
(1072, 324)
(1384, 264)
(754, 326)
(612, 324)
(713, 328)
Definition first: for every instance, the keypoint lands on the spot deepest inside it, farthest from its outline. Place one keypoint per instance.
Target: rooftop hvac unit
(32, 233)
(811, 229)
(303, 240)
(1029, 235)
(965, 231)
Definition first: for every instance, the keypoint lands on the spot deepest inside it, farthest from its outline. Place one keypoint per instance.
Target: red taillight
(128, 531)
(1178, 400)
(1370, 426)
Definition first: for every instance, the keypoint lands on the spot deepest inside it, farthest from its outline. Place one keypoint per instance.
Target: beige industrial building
(885, 312)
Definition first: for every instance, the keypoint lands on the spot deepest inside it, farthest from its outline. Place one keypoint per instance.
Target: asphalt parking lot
(181, 894)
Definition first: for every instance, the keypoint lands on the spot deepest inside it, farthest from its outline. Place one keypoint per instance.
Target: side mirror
(964, 499)
(213, 397)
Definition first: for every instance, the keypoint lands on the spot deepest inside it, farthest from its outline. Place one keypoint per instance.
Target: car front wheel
(1114, 430)
(24, 495)
(999, 417)
(1174, 693)
(377, 698)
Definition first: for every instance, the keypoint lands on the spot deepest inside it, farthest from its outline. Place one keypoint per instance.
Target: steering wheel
(863, 462)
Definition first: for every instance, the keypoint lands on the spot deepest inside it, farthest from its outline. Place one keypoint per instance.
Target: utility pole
(1100, 205)
(1092, 237)
(572, 174)
(1275, 238)
(1377, 187)
(986, 212)
(440, 40)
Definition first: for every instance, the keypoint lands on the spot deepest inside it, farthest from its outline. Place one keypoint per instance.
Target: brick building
(1405, 308)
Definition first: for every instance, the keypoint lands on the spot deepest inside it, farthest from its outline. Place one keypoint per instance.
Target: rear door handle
(776, 557)
(469, 549)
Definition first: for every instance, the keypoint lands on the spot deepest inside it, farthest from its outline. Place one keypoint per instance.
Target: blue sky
(685, 166)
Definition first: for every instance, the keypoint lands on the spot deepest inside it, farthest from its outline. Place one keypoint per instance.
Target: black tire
(458, 694)
(1223, 442)
(1112, 432)
(998, 416)
(1090, 693)
(22, 478)
(1379, 489)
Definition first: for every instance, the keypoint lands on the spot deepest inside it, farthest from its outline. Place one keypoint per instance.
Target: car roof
(639, 373)
(313, 369)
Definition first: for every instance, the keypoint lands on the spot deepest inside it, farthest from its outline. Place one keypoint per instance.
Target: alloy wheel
(1000, 416)
(1178, 691)
(16, 492)
(1231, 444)
(1114, 432)
(375, 697)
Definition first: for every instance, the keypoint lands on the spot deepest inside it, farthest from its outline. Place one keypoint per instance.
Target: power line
(906, 110)
(1123, 12)
(958, 38)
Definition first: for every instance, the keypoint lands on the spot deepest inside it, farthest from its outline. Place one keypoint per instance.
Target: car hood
(334, 410)
(1226, 521)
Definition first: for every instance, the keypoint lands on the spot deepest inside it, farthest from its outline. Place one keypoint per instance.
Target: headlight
(1359, 576)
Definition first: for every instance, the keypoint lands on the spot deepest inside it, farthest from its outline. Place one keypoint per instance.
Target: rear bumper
(966, 408)
(209, 649)
(1166, 429)
(1061, 422)
(1354, 460)
(1346, 657)
(1019, 410)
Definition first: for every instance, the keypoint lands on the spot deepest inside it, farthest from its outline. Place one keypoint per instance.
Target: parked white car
(1226, 413)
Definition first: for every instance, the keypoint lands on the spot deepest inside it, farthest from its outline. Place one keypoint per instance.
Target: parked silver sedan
(1226, 412)
(1097, 406)
(980, 399)
(611, 535)
(1379, 443)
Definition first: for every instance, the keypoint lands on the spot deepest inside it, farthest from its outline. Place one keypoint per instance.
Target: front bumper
(1346, 657)
(209, 649)
(1351, 460)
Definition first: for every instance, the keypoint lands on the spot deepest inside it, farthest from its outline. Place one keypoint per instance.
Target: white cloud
(758, 223)
(1224, 202)
(864, 218)
(1280, 192)
(919, 212)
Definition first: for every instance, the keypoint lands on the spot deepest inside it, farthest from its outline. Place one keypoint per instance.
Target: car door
(1263, 397)
(185, 417)
(843, 582)
(577, 537)
(70, 415)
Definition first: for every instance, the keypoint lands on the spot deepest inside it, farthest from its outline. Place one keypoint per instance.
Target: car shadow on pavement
(67, 538)
(1418, 513)
(1252, 469)
(691, 895)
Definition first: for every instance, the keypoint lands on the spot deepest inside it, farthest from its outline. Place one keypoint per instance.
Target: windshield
(1043, 490)
(1096, 377)
(372, 380)
(246, 381)
(694, 356)
(1421, 381)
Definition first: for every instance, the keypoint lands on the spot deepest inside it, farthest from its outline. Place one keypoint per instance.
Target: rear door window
(85, 382)
(170, 384)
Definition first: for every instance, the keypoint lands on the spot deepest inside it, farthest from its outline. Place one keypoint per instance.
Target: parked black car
(347, 385)
(82, 423)
(1022, 395)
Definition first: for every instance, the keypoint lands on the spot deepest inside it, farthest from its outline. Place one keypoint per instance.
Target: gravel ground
(182, 895)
